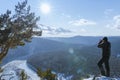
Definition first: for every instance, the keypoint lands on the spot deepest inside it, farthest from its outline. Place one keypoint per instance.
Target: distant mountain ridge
(85, 40)
(40, 45)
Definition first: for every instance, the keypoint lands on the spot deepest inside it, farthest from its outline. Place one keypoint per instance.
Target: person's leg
(101, 66)
(107, 67)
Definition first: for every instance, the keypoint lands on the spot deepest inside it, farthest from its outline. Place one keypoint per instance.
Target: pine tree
(18, 28)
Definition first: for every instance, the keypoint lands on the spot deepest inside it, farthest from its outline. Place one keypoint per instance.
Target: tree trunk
(4, 51)
(6, 47)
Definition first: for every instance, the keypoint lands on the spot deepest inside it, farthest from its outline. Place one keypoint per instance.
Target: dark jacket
(106, 48)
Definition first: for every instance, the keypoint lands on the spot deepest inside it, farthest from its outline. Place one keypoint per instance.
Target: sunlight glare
(45, 8)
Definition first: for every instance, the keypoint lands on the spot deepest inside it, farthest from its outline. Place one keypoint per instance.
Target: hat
(105, 38)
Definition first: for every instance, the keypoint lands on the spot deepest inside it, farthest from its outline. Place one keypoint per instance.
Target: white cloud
(115, 24)
(61, 30)
(83, 30)
(82, 22)
(116, 17)
(54, 30)
(116, 20)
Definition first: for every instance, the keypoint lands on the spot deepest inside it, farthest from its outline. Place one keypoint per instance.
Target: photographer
(105, 45)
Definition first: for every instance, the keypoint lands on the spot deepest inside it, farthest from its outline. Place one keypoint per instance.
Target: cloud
(54, 30)
(61, 30)
(115, 24)
(82, 22)
(83, 30)
(116, 20)
(108, 11)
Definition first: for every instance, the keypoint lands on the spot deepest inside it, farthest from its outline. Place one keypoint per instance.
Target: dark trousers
(104, 60)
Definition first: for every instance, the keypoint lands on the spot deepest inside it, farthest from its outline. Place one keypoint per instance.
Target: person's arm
(100, 44)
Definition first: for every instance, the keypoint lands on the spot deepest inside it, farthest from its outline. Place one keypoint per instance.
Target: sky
(67, 18)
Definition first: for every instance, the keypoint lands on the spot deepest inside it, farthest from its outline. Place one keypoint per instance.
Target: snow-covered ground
(12, 71)
(101, 78)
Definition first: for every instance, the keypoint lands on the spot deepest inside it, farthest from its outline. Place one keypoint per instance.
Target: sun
(45, 8)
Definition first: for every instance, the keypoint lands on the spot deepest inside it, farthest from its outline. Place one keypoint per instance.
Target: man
(106, 49)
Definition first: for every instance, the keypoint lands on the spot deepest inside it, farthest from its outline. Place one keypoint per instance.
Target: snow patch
(12, 71)
(101, 78)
